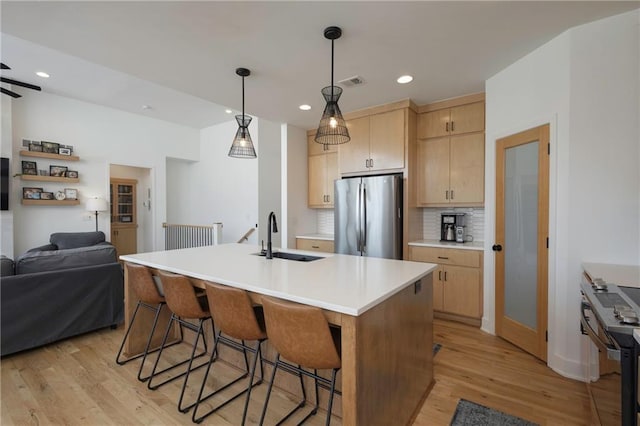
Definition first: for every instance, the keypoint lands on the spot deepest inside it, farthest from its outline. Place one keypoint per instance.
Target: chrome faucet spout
(272, 225)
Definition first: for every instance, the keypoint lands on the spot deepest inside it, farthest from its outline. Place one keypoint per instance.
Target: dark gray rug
(471, 414)
(436, 348)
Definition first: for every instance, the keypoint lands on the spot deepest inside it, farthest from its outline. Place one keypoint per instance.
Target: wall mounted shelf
(50, 202)
(38, 154)
(40, 178)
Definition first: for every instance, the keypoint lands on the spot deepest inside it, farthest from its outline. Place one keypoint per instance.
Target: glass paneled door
(522, 222)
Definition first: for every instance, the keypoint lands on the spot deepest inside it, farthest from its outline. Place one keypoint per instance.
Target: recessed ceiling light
(147, 107)
(305, 107)
(404, 79)
(42, 74)
(228, 111)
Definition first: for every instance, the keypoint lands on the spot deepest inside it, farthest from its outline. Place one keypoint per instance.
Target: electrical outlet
(87, 217)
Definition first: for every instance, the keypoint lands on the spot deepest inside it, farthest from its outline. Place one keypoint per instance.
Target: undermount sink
(291, 256)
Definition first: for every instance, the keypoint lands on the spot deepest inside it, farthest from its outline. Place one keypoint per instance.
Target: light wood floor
(76, 382)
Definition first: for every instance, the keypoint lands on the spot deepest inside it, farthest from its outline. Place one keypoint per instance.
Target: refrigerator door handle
(358, 215)
(363, 223)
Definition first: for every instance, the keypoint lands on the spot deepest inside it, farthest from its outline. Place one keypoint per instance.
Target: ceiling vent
(356, 80)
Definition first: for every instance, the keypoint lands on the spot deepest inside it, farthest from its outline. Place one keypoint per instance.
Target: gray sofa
(71, 286)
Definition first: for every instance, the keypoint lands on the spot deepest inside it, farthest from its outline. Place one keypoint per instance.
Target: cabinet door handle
(452, 194)
(452, 126)
(445, 275)
(371, 162)
(328, 198)
(366, 163)
(447, 127)
(439, 275)
(443, 257)
(316, 247)
(446, 194)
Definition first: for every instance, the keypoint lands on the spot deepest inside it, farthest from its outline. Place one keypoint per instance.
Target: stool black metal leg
(257, 355)
(188, 372)
(331, 394)
(146, 349)
(266, 401)
(124, 339)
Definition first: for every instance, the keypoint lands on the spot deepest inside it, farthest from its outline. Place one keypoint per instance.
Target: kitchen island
(383, 307)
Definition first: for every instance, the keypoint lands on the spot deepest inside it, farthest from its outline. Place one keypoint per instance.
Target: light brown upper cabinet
(377, 143)
(451, 121)
(451, 171)
(323, 171)
(451, 156)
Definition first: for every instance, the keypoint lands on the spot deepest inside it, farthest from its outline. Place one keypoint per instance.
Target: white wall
(6, 216)
(585, 84)
(179, 191)
(223, 189)
(269, 180)
(299, 219)
(100, 136)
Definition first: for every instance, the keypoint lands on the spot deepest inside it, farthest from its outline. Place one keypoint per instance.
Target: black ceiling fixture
(332, 129)
(14, 83)
(242, 146)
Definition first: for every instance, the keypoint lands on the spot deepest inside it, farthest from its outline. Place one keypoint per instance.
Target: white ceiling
(180, 57)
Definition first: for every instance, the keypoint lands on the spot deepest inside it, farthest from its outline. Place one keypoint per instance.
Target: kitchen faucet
(270, 227)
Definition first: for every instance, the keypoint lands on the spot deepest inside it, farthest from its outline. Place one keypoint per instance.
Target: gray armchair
(71, 286)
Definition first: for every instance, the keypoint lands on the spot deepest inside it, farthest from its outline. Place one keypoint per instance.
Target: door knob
(496, 247)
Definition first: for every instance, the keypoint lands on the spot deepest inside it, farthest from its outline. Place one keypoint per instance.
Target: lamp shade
(97, 205)
(242, 146)
(332, 129)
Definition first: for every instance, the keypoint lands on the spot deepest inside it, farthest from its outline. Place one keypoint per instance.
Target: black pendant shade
(242, 146)
(332, 129)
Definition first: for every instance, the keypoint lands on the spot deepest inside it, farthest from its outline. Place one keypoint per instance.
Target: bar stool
(149, 297)
(302, 335)
(185, 303)
(236, 317)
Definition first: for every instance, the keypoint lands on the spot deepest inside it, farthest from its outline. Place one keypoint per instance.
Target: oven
(609, 317)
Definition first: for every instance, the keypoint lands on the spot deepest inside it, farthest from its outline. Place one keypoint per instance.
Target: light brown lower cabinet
(457, 282)
(314, 245)
(125, 239)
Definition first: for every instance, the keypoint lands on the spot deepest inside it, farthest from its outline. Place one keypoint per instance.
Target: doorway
(521, 243)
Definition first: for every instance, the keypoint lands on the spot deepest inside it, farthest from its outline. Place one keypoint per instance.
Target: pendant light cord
(242, 99)
(332, 69)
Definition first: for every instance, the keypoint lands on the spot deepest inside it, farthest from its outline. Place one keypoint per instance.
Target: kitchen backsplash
(430, 222)
(325, 221)
(474, 220)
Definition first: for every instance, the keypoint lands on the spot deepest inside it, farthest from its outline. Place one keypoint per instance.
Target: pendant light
(242, 146)
(332, 129)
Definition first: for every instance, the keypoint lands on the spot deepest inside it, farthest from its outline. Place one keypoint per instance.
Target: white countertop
(473, 245)
(341, 283)
(624, 275)
(328, 237)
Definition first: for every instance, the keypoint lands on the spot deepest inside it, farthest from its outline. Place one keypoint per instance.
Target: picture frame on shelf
(29, 193)
(72, 173)
(59, 171)
(64, 151)
(35, 146)
(29, 168)
(71, 193)
(50, 147)
(46, 196)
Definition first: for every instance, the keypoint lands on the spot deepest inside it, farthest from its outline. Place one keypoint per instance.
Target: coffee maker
(452, 227)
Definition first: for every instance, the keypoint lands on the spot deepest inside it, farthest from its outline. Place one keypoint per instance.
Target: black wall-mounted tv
(4, 183)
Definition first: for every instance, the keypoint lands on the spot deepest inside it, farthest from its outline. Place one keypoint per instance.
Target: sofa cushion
(69, 240)
(54, 260)
(7, 266)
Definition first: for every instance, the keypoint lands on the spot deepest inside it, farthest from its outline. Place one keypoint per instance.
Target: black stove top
(633, 293)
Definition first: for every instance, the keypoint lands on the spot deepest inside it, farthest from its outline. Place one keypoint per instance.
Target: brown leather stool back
(181, 296)
(300, 334)
(143, 285)
(233, 313)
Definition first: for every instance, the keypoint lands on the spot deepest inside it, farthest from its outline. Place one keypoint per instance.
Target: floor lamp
(97, 205)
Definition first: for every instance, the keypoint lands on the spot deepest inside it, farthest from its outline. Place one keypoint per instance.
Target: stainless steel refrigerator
(368, 216)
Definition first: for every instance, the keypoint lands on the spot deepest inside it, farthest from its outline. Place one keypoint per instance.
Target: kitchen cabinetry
(377, 143)
(314, 245)
(323, 171)
(457, 283)
(49, 179)
(451, 121)
(123, 215)
(451, 156)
